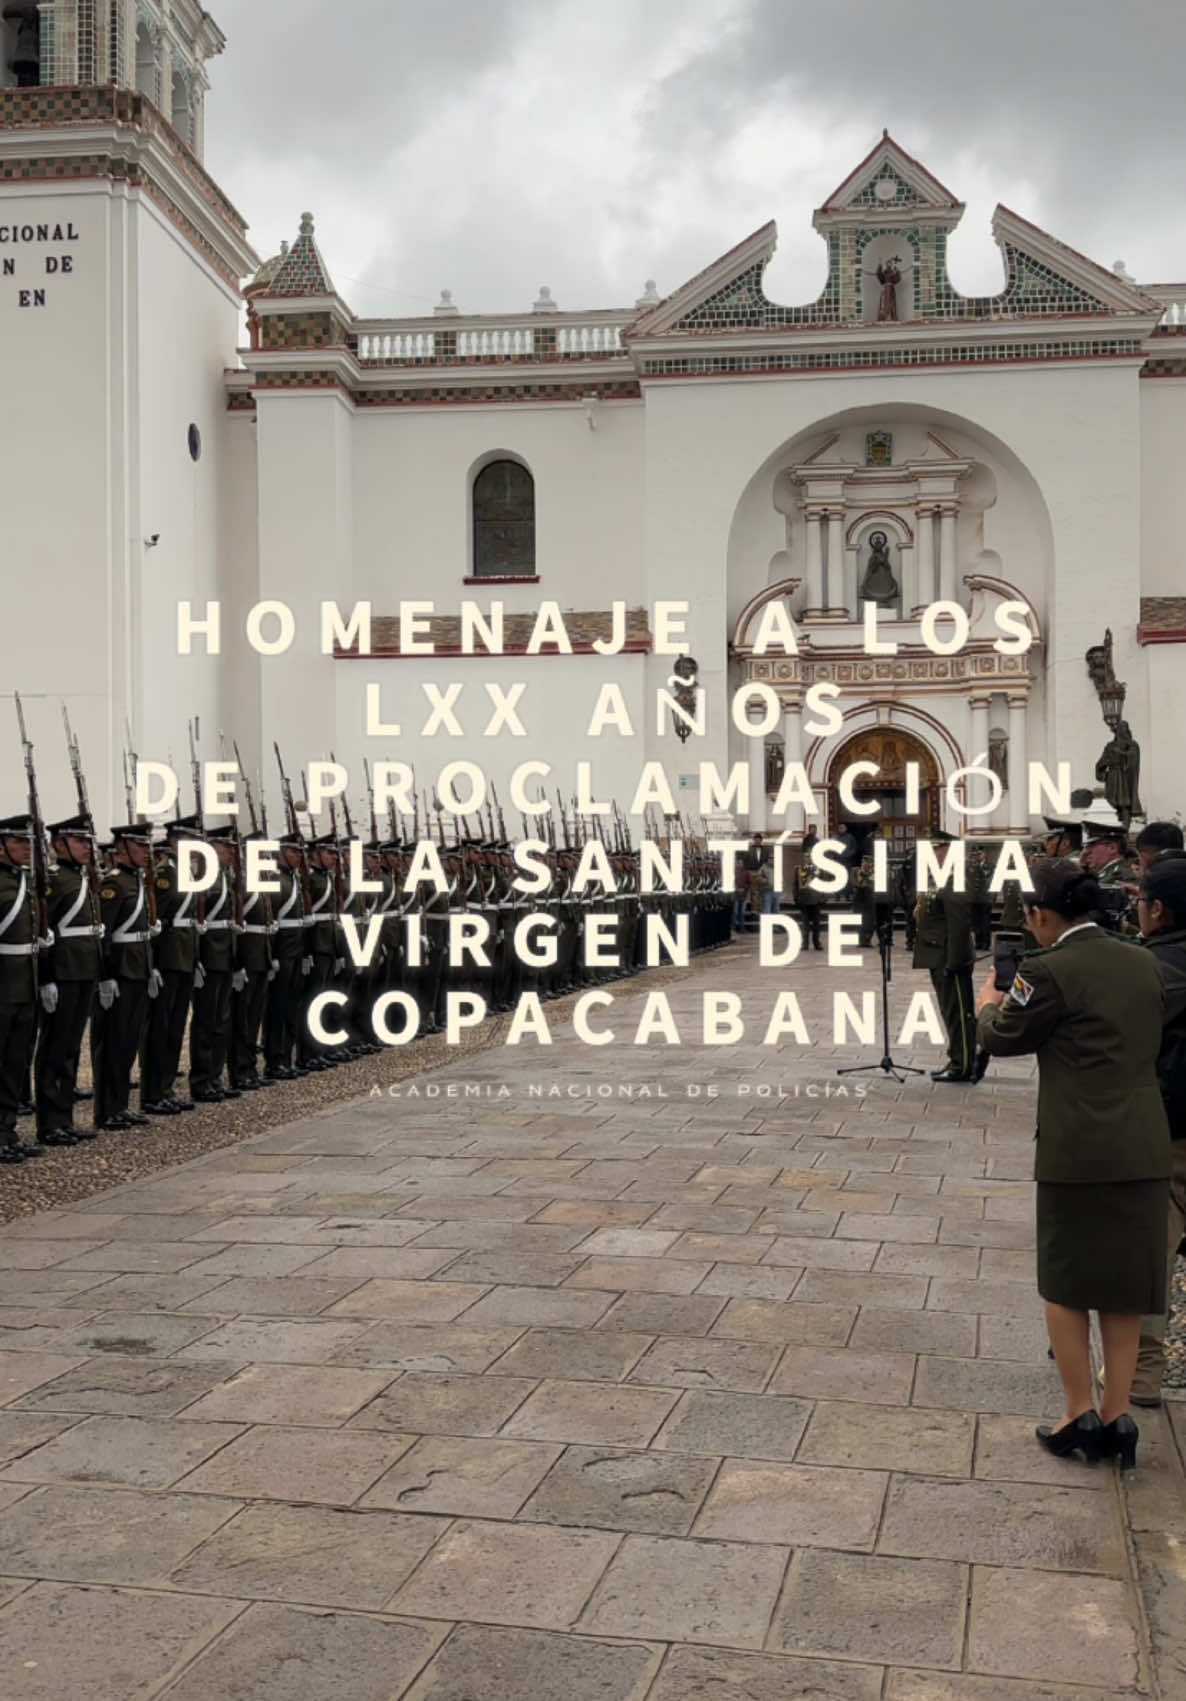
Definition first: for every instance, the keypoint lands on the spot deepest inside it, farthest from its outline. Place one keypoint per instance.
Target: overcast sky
(491, 146)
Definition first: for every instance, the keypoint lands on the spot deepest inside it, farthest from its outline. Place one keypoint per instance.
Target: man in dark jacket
(1161, 910)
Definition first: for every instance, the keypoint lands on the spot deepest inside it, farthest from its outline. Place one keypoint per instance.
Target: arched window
(504, 522)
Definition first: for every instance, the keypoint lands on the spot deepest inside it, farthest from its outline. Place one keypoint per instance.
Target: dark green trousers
(953, 991)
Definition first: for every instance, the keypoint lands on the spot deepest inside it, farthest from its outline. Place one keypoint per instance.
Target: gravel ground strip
(1175, 1336)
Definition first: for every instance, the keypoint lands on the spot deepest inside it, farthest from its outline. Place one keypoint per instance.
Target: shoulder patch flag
(1021, 991)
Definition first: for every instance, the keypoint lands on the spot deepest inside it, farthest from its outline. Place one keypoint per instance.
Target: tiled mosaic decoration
(301, 330)
(442, 394)
(50, 108)
(742, 305)
(955, 354)
(1033, 289)
(303, 271)
(898, 194)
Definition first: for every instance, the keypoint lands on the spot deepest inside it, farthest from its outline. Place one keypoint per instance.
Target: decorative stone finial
(545, 304)
(446, 304)
(1122, 271)
(306, 224)
(649, 294)
(284, 250)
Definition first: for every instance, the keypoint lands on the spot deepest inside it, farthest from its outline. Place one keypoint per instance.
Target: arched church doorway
(891, 749)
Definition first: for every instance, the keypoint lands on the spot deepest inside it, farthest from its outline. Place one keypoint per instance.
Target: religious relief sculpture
(1119, 771)
(889, 276)
(879, 584)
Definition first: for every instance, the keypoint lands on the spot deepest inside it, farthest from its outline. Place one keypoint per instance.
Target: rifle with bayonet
(90, 872)
(39, 857)
(293, 828)
(150, 871)
(239, 872)
(246, 788)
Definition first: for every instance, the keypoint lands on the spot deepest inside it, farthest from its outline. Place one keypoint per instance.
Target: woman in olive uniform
(1089, 1007)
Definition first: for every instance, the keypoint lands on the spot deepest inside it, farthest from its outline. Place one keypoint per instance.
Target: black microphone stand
(888, 1064)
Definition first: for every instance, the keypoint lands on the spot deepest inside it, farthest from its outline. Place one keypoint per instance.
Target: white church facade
(891, 442)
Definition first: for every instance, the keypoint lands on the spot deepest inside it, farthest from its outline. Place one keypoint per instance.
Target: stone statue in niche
(998, 756)
(879, 584)
(889, 276)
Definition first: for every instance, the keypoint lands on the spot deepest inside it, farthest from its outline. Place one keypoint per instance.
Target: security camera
(151, 542)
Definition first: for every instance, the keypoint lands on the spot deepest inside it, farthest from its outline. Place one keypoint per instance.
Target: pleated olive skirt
(1102, 1245)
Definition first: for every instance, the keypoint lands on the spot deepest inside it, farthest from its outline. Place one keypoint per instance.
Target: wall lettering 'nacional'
(40, 263)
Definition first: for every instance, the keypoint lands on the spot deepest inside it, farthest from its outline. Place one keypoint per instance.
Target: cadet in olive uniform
(323, 943)
(282, 1029)
(210, 1025)
(128, 978)
(977, 879)
(943, 944)
(70, 973)
(175, 956)
(254, 970)
(1104, 855)
(808, 899)
(18, 978)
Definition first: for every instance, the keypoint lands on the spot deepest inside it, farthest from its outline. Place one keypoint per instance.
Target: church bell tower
(121, 261)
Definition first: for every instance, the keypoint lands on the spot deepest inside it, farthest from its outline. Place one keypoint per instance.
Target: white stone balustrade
(588, 339)
(397, 345)
(500, 340)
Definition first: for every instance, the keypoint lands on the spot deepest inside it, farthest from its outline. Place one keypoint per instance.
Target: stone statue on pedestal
(1119, 771)
(879, 584)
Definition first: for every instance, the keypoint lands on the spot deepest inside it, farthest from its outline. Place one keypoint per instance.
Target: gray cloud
(496, 144)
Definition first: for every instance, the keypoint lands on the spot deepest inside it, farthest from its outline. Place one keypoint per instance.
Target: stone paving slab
(653, 1398)
(107, 1644)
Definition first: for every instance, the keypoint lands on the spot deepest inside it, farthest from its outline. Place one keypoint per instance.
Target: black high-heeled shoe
(1084, 1435)
(1118, 1440)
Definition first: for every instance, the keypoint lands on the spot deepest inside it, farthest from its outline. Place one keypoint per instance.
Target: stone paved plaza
(519, 1398)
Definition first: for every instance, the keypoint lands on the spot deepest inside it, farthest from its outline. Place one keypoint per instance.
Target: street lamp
(1109, 689)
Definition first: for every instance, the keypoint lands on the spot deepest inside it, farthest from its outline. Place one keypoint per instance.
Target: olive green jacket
(1090, 1009)
(943, 939)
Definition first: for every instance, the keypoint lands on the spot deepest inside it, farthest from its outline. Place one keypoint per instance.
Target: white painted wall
(64, 582)
(1163, 487)
(127, 350)
(187, 325)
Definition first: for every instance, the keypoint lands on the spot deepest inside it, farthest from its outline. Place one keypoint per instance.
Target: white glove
(44, 943)
(199, 978)
(306, 965)
(49, 997)
(155, 982)
(339, 965)
(154, 930)
(273, 969)
(108, 993)
(238, 980)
